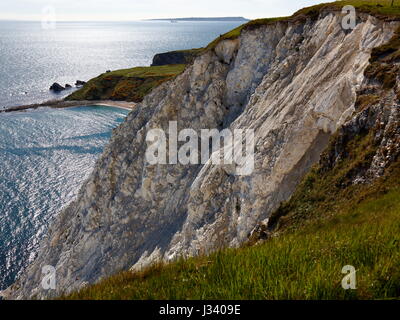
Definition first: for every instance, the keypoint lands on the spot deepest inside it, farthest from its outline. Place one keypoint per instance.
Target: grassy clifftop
(128, 84)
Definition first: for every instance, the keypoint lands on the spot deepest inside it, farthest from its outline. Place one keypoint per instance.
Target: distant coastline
(222, 19)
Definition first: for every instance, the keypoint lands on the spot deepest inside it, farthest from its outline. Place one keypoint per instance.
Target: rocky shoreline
(67, 104)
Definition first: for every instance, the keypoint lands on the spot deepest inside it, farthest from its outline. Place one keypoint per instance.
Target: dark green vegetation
(383, 63)
(329, 222)
(128, 84)
(381, 8)
(176, 57)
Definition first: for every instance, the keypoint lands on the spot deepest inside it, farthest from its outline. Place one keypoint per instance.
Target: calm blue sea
(46, 154)
(32, 58)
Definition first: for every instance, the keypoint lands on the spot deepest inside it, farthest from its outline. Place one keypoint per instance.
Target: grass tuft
(302, 265)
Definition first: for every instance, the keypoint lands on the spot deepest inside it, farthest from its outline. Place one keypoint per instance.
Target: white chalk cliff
(293, 82)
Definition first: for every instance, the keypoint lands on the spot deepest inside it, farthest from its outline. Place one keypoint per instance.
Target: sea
(46, 154)
(32, 58)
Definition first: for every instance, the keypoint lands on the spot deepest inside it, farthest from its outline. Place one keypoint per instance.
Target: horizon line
(132, 20)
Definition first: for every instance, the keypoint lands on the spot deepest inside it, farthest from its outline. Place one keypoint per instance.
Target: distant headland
(202, 19)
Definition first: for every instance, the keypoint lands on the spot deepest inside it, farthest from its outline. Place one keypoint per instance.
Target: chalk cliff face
(294, 83)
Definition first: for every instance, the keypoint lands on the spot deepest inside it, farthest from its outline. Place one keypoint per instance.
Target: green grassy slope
(128, 84)
(178, 56)
(303, 262)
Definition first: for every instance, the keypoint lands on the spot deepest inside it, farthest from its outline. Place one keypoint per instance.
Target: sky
(127, 10)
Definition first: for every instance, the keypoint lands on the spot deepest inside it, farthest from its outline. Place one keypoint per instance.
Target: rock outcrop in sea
(56, 87)
(294, 82)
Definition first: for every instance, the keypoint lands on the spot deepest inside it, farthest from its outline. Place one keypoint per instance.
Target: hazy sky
(143, 9)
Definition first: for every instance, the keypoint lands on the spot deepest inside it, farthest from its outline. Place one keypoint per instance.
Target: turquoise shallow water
(45, 155)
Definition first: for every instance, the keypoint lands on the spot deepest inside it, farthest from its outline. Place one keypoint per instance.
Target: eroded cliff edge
(293, 82)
